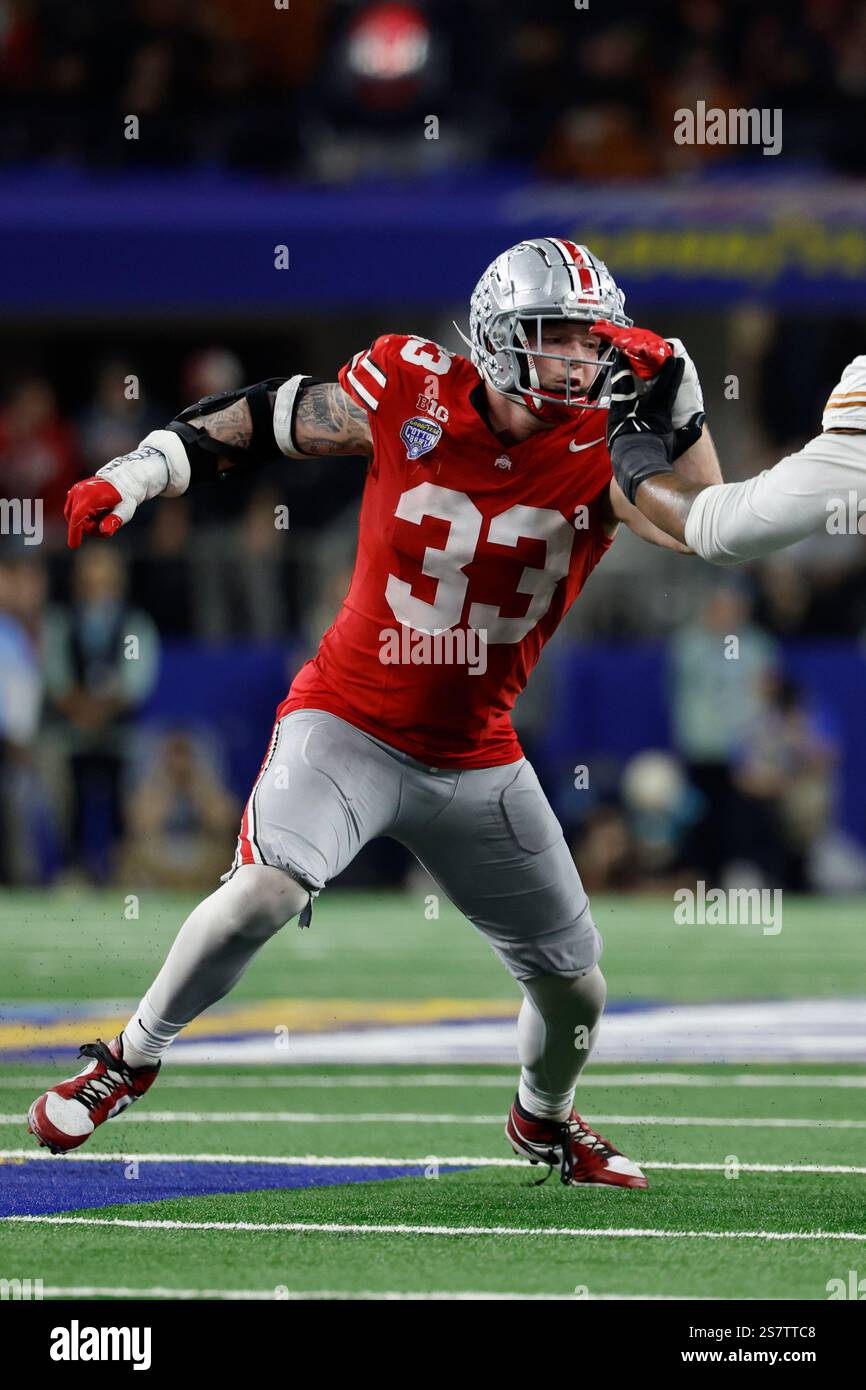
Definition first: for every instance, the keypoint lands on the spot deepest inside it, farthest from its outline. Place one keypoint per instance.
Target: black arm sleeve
(204, 451)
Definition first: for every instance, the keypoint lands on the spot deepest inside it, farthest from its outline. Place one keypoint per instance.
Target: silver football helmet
(536, 280)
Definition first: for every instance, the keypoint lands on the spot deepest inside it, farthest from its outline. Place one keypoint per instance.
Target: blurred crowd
(85, 793)
(335, 89)
(748, 794)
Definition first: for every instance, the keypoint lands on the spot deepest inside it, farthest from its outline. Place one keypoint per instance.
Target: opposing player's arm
(619, 509)
(728, 523)
(665, 499)
(700, 462)
(733, 522)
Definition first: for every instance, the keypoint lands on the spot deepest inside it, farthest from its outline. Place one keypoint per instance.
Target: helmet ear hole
(503, 371)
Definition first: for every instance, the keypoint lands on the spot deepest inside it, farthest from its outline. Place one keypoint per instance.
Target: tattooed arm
(232, 425)
(327, 421)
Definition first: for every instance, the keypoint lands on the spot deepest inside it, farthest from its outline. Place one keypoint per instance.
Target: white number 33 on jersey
(447, 564)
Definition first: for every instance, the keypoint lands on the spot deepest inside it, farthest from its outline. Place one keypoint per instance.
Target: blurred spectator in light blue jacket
(101, 659)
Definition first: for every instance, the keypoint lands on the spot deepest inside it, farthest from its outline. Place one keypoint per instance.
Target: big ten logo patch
(428, 399)
(432, 408)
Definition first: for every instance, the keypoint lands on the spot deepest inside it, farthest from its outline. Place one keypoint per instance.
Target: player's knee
(583, 995)
(266, 898)
(591, 988)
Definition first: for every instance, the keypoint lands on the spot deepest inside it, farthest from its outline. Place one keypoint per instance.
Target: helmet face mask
(528, 347)
(531, 284)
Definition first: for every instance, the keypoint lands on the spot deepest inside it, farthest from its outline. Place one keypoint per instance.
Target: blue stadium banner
(75, 244)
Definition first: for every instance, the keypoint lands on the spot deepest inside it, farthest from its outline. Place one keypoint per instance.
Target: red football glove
(645, 352)
(87, 507)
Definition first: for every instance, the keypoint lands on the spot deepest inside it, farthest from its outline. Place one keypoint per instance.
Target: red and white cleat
(67, 1114)
(570, 1145)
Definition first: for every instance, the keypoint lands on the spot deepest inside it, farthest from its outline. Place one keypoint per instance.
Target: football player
(822, 487)
(488, 502)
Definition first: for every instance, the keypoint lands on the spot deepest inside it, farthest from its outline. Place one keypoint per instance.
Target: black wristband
(636, 457)
(688, 434)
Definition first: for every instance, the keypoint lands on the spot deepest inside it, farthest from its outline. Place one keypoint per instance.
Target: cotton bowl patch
(420, 436)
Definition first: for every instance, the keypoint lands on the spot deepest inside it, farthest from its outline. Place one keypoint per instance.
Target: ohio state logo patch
(420, 436)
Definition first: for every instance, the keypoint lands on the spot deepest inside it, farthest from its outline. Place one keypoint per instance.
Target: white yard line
(313, 1117)
(449, 1081)
(401, 1229)
(378, 1161)
(294, 1295)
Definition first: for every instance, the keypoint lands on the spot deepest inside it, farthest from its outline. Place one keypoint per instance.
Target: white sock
(147, 1036)
(542, 1104)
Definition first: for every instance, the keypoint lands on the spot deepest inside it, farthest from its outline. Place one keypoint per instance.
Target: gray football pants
(487, 836)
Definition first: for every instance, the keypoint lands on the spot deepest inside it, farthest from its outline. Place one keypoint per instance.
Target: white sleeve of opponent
(732, 522)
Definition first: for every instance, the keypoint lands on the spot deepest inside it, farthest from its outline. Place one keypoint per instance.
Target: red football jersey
(469, 554)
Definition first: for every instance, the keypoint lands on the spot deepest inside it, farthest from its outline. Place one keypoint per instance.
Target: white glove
(689, 400)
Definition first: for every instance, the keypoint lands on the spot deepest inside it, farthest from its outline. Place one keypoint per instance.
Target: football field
(334, 1127)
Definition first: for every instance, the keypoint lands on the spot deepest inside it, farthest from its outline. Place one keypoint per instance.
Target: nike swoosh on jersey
(576, 448)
